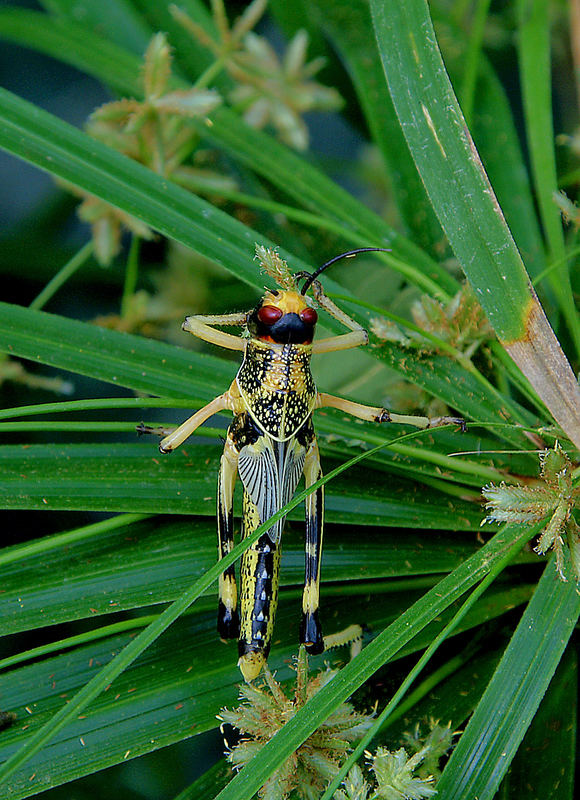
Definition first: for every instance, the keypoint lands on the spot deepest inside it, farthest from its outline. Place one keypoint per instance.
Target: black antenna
(310, 277)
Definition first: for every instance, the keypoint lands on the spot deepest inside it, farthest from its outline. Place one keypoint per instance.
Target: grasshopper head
(284, 317)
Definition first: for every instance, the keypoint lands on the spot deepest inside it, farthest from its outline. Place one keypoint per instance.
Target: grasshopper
(271, 443)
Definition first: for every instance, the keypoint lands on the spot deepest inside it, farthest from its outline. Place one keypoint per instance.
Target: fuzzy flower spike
(266, 708)
(276, 268)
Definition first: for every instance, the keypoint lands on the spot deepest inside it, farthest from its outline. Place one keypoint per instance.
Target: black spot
(244, 431)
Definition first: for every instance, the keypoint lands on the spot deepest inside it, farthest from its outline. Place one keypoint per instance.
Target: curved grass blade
(490, 740)
(349, 27)
(534, 59)
(133, 477)
(547, 755)
(347, 24)
(56, 147)
(501, 154)
(430, 651)
(465, 204)
(448, 163)
(204, 788)
(452, 699)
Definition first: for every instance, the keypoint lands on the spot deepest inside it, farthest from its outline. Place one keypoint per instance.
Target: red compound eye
(309, 316)
(269, 314)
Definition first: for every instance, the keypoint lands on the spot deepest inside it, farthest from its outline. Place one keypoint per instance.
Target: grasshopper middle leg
(378, 414)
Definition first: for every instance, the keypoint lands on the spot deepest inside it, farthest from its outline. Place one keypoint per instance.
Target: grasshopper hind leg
(310, 628)
(228, 622)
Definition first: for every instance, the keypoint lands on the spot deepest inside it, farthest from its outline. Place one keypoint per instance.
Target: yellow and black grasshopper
(271, 443)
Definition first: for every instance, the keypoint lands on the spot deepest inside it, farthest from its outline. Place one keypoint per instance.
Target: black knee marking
(311, 633)
(228, 622)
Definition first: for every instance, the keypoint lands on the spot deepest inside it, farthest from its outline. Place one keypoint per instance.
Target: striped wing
(270, 471)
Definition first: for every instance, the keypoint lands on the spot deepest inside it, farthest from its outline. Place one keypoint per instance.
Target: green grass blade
(535, 78)
(40, 547)
(465, 204)
(147, 366)
(62, 276)
(66, 406)
(501, 155)
(452, 699)
(450, 168)
(44, 140)
(377, 653)
(205, 787)
(349, 27)
(512, 697)
(546, 758)
(473, 55)
(136, 478)
(154, 561)
(428, 654)
(62, 645)
(122, 359)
